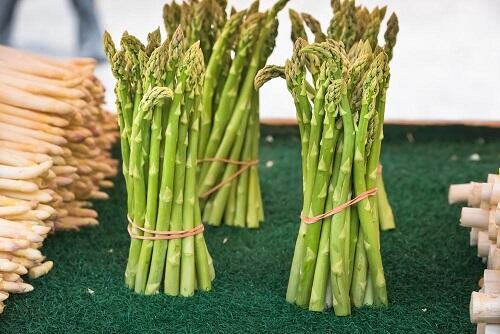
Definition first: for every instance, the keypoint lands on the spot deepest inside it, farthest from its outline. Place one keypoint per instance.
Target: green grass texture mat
(430, 269)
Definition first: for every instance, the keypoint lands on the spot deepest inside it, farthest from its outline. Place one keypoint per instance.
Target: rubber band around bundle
(162, 235)
(357, 199)
(244, 166)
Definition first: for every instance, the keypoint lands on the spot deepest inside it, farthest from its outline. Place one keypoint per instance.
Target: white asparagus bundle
(55, 142)
(482, 216)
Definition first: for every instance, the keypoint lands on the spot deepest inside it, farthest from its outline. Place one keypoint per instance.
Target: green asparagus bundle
(337, 260)
(352, 24)
(158, 93)
(235, 49)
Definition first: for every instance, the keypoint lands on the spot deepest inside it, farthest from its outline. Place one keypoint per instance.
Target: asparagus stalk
(220, 198)
(370, 91)
(151, 99)
(194, 65)
(340, 285)
(166, 198)
(153, 75)
(230, 92)
(172, 267)
(255, 212)
(220, 49)
(269, 26)
(188, 271)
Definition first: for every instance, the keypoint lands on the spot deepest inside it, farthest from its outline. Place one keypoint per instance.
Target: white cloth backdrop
(446, 64)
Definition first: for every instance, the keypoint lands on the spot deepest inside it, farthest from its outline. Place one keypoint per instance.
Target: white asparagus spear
(24, 173)
(34, 157)
(33, 115)
(29, 253)
(10, 245)
(42, 196)
(32, 214)
(69, 83)
(26, 226)
(18, 98)
(22, 263)
(10, 277)
(41, 89)
(8, 266)
(41, 269)
(19, 185)
(29, 124)
(24, 147)
(40, 146)
(64, 170)
(12, 58)
(15, 160)
(15, 287)
(13, 210)
(6, 201)
(485, 308)
(37, 134)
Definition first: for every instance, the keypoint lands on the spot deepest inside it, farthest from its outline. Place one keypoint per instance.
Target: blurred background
(446, 62)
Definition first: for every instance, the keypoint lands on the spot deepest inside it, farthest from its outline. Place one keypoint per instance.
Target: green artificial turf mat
(430, 268)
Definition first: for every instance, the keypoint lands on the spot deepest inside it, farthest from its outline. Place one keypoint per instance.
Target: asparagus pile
(158, 93)
(235, 48)
(482, 216)
(54, 157)
(337, 258)
(350, 25)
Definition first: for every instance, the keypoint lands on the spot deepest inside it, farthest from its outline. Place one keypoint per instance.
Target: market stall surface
(430, 269)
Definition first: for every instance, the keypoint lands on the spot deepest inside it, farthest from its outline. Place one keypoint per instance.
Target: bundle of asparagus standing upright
(54, 157)
(482, 216)
(337, 260)
(158, 94)
(235, 48)
(350, 24)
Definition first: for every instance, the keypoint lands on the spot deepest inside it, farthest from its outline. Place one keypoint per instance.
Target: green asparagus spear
(151, 99)
(370, 91)
(219, 50)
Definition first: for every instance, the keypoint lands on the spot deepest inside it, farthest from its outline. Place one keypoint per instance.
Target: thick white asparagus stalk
(19, 185)
(23, 264)
(27, 225)
(29, 156)
(39, 146)
(9, 266)
(42, 196)
(483, 244)
(32, 115)
(485, 308)
(13, 210)
(68, 83)
(15, 287)
(15, 160)
(18, 98)
(24, 173)
(41, 269)
(459, 193)
(37, 134)
(475, 217)
(491, 329)
(11, 277)
(22, 62)
(42, 88)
